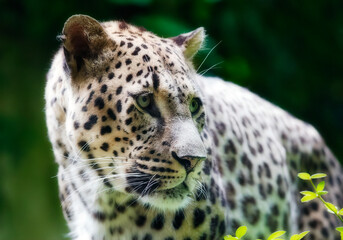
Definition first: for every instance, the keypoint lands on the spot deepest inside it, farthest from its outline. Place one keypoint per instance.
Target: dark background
(289, 52)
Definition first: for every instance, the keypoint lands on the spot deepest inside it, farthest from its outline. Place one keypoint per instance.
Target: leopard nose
(188, 162)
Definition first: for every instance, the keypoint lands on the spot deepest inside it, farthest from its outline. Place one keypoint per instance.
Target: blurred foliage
(289, 52)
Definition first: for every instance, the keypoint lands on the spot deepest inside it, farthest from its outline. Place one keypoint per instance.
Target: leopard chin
(170, 199)
(173, 199)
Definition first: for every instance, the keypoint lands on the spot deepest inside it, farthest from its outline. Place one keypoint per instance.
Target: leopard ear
(83, 38)
(190, 42)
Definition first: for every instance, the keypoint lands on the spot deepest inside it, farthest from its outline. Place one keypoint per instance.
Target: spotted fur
(163, 171)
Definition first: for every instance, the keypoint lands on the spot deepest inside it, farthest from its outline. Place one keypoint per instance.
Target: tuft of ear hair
(83, 38)
(190, 42)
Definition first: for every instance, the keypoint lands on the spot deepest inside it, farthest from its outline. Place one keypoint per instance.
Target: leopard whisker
(114, 168)
(203, 61)
(92, 165)
(147, 186)
(96, 181)
(208, 69)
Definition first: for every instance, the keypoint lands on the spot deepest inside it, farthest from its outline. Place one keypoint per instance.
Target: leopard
(147, 148)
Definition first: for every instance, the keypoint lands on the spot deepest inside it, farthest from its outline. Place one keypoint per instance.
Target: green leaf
(229, 237)
(304, 176)
(320, 186)
(332, 208)
(303, 234)
(318, 175)
(340, 229)
(275, 235)
(299, 236)
(308, 198)
(295, 237)
(340, 212)
(321, 193)
(241, 231)
(308, 193)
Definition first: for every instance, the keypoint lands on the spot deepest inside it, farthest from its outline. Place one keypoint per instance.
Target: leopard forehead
(146, 48)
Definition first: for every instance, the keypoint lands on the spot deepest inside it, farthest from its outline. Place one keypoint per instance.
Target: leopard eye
(195, 105)
(144, 100)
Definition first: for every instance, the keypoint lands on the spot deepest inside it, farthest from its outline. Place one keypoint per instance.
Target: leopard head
(134, 113)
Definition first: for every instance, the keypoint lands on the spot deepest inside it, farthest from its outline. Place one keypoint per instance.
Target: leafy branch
(318, 193)
(308, 196)
(241, 231)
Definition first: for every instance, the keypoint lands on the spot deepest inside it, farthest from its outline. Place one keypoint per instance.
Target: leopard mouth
(152, 192)
(186, 187)
(171, 199)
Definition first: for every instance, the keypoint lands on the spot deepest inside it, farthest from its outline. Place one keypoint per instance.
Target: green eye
(144, 100)
(195, 105)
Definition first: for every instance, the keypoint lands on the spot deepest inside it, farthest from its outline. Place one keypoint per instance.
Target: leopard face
(134, 114)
